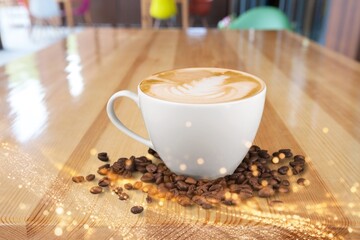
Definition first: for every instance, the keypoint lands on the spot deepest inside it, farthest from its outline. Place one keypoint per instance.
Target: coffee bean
(169, 185)
(184, 201)
(228, 202)
(78, 179)
(179, 178)
(303, 182)
(283, 170)
(190, 180)
(130, 164)
(201, 200)
(283, 189)
(285, 183)
(215, 187)
(90, 177)
(284, 150)
(137, 209)
(103, 156)
(128, 186)
(151, 168)
(149, 199)
(299, 158)
(275, 202)
(153, 152)
(96, 190)
(297, 169)
(118, 190)
(123, 196)
(246, 193)
(104, 182)
(148, 177)
(103, 171)
(137, 185)
(266, 192)
(182, 186)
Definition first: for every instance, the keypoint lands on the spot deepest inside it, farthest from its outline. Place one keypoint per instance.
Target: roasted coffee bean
(215, 187)
(137, 185)
(128, 186)
(266, 192)
(283, 170)
(201, 200)
(228, 202)
(96, 190)
(190, 180)
(246, 193)
(78, 179)
(169, 185)
(123, 196)
(184, 201)
(297, 169)
(104, 182)
(182, 186)
(136, 209)
(103, 156)
(263, 154)
(284, 150)
(130, 164)
(283, 189)
(153, 152)
(149, 199)
(159, 180)
(275, 202)
(266, 175)
(303, 182)
(285, 183)
(299, 158)
(254, 182)
(288, 154)
(263, 161)
(179, 178)
(151, 168)
(90, 177)
(103, 171)
(148, 177)
(118, 190)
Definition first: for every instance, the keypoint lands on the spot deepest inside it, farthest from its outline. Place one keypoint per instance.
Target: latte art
(201, 85)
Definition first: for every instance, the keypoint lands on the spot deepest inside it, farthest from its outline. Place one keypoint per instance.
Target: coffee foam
(201, 85)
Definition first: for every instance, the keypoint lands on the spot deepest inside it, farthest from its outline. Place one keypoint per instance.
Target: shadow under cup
(202, 140)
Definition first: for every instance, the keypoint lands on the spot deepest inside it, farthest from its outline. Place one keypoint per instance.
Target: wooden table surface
(53, 122)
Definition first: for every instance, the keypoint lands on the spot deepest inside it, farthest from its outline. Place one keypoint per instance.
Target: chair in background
(83, 10)
(200, 8)
(162, 10)
(45, 11)
(262, 18)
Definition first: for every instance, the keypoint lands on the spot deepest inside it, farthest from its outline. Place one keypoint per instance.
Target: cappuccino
(201, 85)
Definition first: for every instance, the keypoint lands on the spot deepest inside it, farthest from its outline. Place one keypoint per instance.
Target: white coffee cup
(199, 140)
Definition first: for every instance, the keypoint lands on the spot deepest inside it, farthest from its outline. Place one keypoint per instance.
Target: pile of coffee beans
(257, 175)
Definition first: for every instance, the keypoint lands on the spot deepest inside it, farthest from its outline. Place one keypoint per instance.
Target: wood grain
(54, 122)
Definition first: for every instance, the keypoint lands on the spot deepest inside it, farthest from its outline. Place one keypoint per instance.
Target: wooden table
(54, 122)
(146, 20)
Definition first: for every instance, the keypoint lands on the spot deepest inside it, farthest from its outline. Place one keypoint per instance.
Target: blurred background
(30, 25)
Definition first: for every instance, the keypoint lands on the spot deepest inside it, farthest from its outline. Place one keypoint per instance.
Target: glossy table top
(53, 122)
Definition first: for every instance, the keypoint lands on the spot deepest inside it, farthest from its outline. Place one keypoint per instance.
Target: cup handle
(115, 120)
